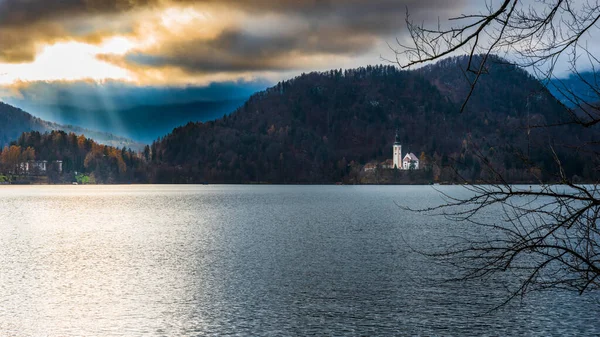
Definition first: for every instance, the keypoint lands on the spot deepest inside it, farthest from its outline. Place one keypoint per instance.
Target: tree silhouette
(548, 235)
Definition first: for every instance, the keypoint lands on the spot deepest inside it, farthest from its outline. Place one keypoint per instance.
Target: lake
(248, 261)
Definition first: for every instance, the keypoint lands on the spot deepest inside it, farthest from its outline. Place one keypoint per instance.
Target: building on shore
(397, 152)
(409, 162)
(40, 167)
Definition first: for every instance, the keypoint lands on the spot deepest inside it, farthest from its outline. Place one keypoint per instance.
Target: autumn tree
(28, 154)
(10, 158)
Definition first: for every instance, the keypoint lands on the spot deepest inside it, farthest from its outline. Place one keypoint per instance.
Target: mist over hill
(14, 122)
(141, 113)
(576, 89)
(142, 123)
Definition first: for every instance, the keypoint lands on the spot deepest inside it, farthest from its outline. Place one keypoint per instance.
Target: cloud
(17, 12)
(183, 40)
(18, 44)
(241, 51)
(289, 36)
(26, 26)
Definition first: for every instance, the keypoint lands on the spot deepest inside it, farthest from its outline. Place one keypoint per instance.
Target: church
(408, 162)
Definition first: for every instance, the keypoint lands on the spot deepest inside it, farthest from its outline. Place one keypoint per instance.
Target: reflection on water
(245, 260)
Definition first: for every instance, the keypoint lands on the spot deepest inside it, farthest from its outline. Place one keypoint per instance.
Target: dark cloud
(327, 27)
(330, 28)
(24, 24)
(18, 12)
(18, 44)
(238, 51)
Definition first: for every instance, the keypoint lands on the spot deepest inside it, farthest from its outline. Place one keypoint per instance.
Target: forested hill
(320, 127)
(14, 121)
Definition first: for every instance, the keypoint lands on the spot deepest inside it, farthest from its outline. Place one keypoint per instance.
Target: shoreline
(286, 184)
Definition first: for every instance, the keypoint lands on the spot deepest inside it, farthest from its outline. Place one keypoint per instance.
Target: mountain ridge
(15, 121)
(142, 123)
(321, 127)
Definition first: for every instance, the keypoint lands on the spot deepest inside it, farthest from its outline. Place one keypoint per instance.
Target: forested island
(325, 127)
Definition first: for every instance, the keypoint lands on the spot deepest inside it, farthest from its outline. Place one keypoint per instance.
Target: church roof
(397, 142)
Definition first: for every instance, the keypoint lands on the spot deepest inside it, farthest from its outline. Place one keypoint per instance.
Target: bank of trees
(79, 154)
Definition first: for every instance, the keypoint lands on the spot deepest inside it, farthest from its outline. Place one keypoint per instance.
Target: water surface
(246, 260)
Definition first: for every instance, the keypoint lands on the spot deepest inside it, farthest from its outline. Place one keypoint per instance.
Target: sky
(196, 43)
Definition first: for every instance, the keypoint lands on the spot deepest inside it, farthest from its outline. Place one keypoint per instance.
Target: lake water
(247, 261)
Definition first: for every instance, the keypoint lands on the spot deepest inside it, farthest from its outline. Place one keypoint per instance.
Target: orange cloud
(174, 41)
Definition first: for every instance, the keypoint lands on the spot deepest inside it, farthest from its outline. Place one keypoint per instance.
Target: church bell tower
(397, 153)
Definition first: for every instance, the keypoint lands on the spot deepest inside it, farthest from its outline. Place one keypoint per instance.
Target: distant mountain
(143, 113)
(14, 121)
(564, 88)
(116, 95)
(320, 127)
(142, 123)
(146, 123)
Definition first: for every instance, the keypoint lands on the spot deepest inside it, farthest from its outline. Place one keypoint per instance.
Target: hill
(321, 127)
(14, 121)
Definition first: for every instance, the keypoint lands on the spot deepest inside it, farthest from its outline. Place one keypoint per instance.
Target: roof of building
(388, 162)
(411, 156)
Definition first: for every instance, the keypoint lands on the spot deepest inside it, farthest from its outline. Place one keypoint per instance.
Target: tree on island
(548, 234)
